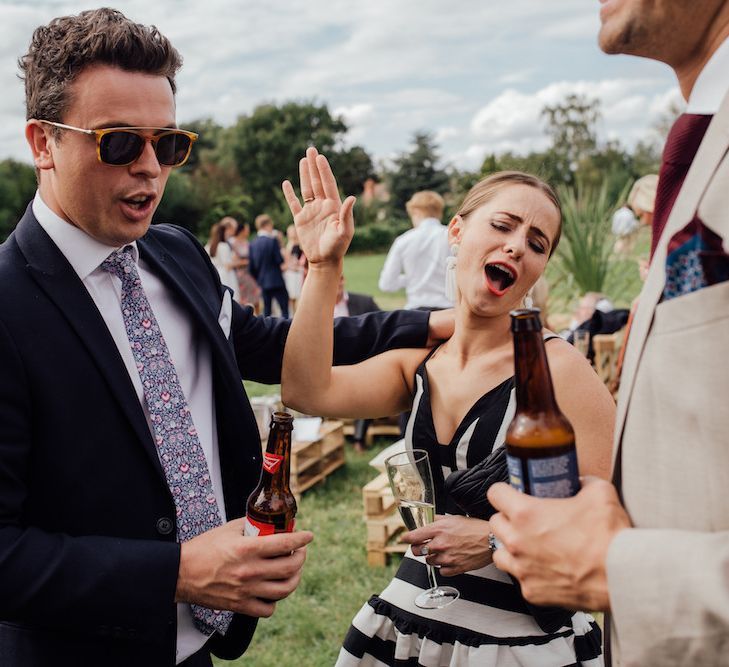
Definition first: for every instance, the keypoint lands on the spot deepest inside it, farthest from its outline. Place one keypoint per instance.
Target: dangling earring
(451, 289)
(528, 301)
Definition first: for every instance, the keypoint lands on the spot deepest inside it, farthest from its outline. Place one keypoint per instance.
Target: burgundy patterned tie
(180, 453)
(681, 145)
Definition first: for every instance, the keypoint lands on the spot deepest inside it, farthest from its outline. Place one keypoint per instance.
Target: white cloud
(512, 121)
(356, 114)
(466, 71)
(444, 134)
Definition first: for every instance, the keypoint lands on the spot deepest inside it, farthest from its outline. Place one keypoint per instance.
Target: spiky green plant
(585, 260)
(587, 241)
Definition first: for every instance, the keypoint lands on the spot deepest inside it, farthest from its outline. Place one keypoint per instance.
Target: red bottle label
(271, 462)
(255, 528)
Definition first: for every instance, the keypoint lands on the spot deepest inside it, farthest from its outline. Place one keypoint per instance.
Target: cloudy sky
(475, 73)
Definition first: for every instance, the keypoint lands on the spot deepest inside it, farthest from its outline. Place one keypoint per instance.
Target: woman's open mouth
(499, 278)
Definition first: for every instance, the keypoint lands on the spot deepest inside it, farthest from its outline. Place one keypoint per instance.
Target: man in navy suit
(265, 263)
(96, 566)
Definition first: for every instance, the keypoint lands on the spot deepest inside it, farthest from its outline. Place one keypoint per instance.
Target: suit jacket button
(165, 526)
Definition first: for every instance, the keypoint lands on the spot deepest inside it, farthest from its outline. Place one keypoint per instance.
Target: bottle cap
(282, 418)
(525, 319)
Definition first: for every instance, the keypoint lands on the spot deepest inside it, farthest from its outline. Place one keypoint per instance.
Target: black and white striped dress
(489, 625)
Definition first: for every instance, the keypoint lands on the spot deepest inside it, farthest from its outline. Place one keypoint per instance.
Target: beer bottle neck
(277, 462)
(534, 390)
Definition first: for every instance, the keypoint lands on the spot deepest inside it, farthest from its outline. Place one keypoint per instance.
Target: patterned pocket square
(696, 259)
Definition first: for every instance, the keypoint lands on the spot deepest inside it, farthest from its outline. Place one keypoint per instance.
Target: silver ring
(494, 543)
(308, 199)
(424, 551)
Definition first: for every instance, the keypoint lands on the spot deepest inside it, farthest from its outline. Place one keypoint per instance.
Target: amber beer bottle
(540, 441)
(271, 507)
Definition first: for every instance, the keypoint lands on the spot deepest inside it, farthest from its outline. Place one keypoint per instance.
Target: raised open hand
(324, 224)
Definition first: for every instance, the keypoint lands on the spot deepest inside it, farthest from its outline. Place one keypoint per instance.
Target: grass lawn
(308, 627)
(361, 273)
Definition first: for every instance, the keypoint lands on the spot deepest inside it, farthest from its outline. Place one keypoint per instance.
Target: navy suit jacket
(264, 256)
(88, 554)
(359, 304)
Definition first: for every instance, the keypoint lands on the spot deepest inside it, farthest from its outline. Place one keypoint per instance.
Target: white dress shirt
(189, 350)
(712, 83)
(417, 262)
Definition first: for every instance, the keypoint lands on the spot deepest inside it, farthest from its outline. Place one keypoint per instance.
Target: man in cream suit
(654, 549)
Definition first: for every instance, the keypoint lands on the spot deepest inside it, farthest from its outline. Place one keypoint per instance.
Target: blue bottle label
(516, 473)
(553, 477)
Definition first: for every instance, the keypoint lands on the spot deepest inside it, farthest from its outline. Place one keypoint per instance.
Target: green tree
(17, 186)
(178, 204)
(416, 170)
(611, 166)
(544, 164)
(646, 158)
(267, 145)
(352, 166)
(571, 125)
(208, 145)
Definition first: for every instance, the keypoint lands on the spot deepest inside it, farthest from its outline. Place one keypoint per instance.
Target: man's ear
(455, 229)
(41, 143)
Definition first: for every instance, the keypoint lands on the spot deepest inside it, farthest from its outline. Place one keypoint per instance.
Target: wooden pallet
(384, 524)
(607, 350)
(313, 461)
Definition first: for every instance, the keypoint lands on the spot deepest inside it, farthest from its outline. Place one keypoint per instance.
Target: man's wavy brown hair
(61, 50)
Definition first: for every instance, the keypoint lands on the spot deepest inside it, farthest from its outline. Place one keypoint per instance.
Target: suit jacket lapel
(55, 276)
(710, 153)
(204, 309)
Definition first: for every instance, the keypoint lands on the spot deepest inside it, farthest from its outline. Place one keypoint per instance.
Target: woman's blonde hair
(486, 189)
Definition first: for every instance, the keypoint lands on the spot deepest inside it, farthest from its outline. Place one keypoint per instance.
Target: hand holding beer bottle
(271, 507)
(226, 568)
(540, 441)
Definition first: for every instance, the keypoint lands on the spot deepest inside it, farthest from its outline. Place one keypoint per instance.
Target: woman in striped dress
(462, 399)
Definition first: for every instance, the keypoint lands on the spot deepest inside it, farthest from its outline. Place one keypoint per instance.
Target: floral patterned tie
(182, 457)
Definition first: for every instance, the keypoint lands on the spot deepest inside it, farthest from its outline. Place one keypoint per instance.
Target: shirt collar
(83, 252)
(429, 222)
(711, 84)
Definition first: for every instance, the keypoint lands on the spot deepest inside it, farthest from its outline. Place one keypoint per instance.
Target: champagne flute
(412, 485)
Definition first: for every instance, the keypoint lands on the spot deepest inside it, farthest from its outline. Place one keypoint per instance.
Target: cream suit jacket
(669, 576)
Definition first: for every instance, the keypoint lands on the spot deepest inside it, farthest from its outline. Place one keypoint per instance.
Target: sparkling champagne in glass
(412, 485)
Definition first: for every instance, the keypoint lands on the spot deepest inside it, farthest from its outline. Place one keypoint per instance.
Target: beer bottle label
(555, 476)
(516, 473)
(272, 462)
(551, 477)
(253, 528)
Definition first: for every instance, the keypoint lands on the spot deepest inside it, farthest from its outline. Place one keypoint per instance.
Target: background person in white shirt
(417, 258)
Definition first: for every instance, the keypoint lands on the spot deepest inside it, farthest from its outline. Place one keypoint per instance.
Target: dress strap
(421, 367)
